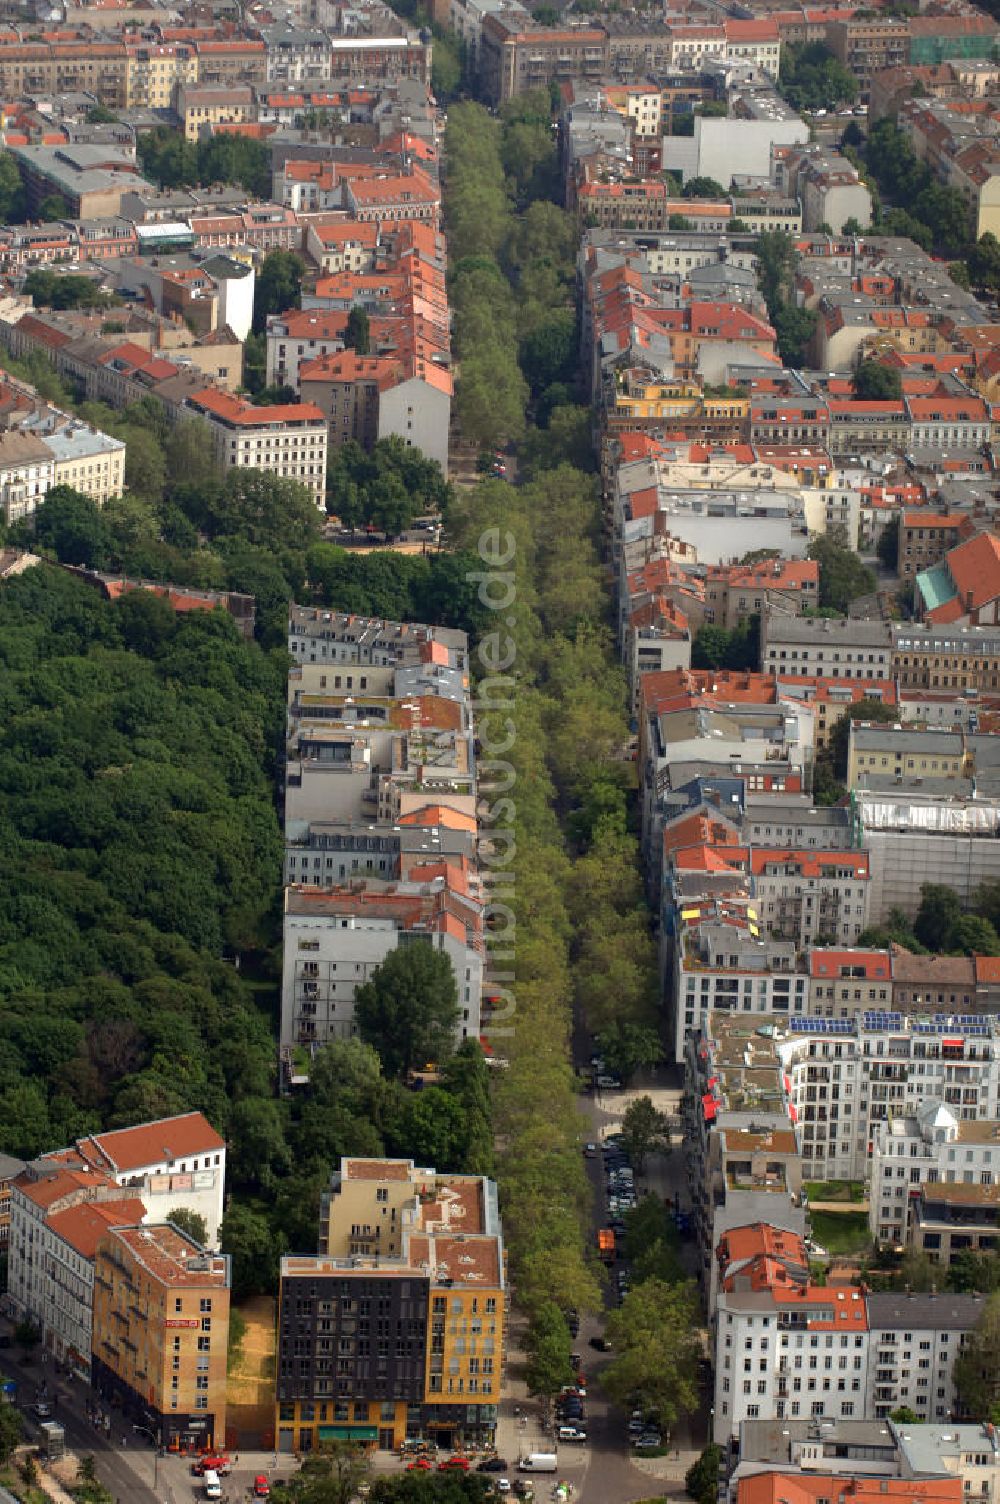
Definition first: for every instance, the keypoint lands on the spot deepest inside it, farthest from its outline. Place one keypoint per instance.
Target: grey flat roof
(841, 630)
(889, 1311)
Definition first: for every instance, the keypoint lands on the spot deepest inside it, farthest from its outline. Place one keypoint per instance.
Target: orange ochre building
(161, 1333)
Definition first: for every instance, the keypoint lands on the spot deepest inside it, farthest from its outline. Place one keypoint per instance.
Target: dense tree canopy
(812, 78)
(409, 1009)
(387, 487)
(115, 998)
(842, 576)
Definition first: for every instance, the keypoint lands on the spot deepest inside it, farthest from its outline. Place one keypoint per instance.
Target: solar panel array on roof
(976, 1025)
(878, 1020)
(822, 1025)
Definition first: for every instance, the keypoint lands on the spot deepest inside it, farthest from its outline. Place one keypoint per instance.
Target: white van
(211, 1485)
(538, 1462)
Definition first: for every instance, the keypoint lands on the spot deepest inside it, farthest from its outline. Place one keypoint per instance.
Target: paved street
(604, 1471)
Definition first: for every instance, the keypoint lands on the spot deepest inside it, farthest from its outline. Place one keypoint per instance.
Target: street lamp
(148, 1431)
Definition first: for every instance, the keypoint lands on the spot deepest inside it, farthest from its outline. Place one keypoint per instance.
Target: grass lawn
(843, 1233)
(835, 1190)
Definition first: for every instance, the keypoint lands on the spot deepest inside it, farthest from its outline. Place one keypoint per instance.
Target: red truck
(606, 1245)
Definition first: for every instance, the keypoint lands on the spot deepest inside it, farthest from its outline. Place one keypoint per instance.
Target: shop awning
(348, 1433)
(709, 1106)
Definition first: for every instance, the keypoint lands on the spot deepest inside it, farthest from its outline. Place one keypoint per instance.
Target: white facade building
(174, 1164)
(801, 1354)
(57, 1215)
(289, 440)
(932, 1145)
(913, 1343)
(334, 939)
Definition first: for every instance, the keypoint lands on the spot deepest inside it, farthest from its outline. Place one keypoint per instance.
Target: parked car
(590, 1150)
(503, 1485)
(42, 1410)
(261, 1487)
(451, 1464)
(493, 1465)
(608, 1083)
(602, 1344)
(571, 1433)
(650, 1439)
(419, 1465)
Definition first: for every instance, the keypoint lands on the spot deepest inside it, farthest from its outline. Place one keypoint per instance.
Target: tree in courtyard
(875, 382)
(938, 916)
(71, 525)
(644, 1130)
(904, 1416)
(193, 1223)
(703, 187)
(247, 1236)
(977, 1367)
(655, 1338)
(887, 546)
(974, 1273)
(12, 204)
(358, 334)
(278, 286)
(842, 576)
(701, 1481)
(409, 1009)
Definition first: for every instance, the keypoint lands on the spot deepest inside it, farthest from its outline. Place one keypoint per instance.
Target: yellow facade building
(396, 1329)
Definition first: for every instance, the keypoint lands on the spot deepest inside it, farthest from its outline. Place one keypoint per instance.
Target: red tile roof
(83, 1226)
(160, 1142)
(975, 568)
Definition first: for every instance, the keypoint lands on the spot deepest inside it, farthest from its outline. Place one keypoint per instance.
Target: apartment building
(27, 473)
(722, 963)
(945, 657)
(368, 397)
(10, 1168)
(396, 1329)
(788, 1347)
(829, 649)
(346, 640)
(847, 1075)
(925, 537)
(289, 439)
(337, 936)
(867, 45)
(964, 589)
(914, 1341)
(885, 755)
(830, 699)
(743, 1151)
(176, 1163)
(733, 593)
(58, 1211)
(515, 57)
(92, 180)
(202, 106)
(909, 832)
(931, 1148)
(161, 1333)
(945, 1221)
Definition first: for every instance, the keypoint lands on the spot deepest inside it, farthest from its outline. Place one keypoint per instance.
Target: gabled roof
(160, 1142)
